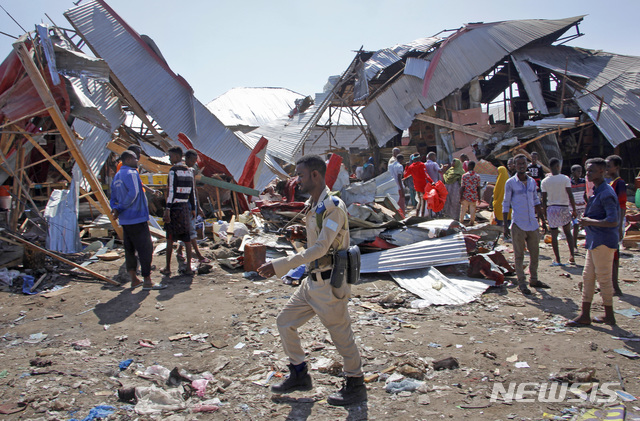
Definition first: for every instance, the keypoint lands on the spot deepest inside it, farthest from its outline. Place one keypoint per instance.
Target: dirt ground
(487, 337)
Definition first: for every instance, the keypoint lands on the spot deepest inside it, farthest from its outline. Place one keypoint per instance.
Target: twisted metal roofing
(165, 96)
(610, 95)
(469, 53)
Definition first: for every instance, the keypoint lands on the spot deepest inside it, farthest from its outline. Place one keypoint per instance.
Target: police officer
(327, 232)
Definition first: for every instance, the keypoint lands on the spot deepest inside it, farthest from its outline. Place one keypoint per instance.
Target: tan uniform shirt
(334, 233)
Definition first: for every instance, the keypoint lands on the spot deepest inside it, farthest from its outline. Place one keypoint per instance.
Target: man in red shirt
(418, 171)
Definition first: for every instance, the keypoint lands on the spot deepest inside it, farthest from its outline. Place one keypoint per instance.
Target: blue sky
(219, 45)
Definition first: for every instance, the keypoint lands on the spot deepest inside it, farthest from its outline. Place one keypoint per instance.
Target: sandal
(154, 287)
(573, 323)
(205, 260)
(538, 284)
(601, 319)
(524, 290)
(558, 264)
(136, 285)
(165, 272)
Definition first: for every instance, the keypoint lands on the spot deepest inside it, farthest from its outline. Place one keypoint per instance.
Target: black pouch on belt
(346, 267)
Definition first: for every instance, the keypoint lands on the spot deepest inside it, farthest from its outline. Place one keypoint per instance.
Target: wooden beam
(453, 126)
(229, 186)
(7, 236)
(8, 170)
(33, 164)
(140, 113)
(56, 165)
(17, 188)
(66, 132)
(146, 163)
(523, 144)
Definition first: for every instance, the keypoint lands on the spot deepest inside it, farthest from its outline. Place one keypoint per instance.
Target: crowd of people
(527, 200)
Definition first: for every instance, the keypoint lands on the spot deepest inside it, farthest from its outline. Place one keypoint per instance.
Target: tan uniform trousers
(531, 239)
(318, 297)
(597, 265)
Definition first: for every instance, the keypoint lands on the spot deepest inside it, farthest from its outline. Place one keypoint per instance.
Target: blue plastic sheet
(27, 284)
(125, 364)
(98, 412)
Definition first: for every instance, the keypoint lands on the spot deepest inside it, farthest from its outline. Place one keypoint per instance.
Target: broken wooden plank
(66, 132)
(453, 126)
(523, 144)
(7, 236)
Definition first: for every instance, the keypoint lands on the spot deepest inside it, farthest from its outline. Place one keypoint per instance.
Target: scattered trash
(406, 385)
(522, 364)
(98, 412)
(81, 344)
(449, 363)
(627, 353)
(125, 364)
(239, 345)
(36, 338)
(628, 312)
(577, 375)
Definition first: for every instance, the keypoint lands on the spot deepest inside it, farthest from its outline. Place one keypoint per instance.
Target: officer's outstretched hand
(266, 270)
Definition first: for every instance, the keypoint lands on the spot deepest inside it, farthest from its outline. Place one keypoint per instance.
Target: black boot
(297, 380)
(353, 391)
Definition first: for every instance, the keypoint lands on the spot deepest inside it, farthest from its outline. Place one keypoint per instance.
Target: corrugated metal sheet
(285, 135)
(164, 95)
(94, 139)
(320, 141)
(416, 67)
(531, 84)
(400, 103)
(384, 58)
(466, 54)
(253, 107)
(610, 77)
(475, 49)
(436, 289)
(610, 124)
(436, 252)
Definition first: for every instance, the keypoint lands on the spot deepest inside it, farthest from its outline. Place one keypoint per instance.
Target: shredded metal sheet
(436, 252)
(436, 289)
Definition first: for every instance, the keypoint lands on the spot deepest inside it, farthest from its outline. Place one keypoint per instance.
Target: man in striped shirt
(181, 205)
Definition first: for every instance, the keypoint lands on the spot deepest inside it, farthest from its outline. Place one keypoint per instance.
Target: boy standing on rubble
(469, 193)
(521, 196)
(556, 198)
(181, 205)
(327, 232)
(129, 205)
(190, 159)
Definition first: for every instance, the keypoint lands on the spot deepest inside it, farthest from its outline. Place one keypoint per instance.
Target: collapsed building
(72, 98)
(565, 102)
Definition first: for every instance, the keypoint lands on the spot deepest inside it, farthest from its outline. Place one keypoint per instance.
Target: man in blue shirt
(600, 222)
(521, 196)
(129, 205)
